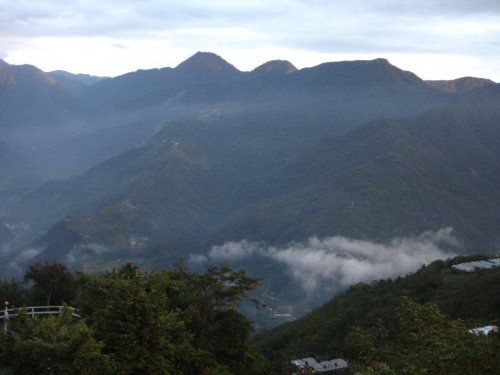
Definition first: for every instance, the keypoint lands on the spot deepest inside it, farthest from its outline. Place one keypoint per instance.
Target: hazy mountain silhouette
(460, 85)
(124, 111)
(275, 67)
(74, 83)
(199, 68)
(3, 64)
(30, 97)
(86, 79)
(18, 177)
(202, 63)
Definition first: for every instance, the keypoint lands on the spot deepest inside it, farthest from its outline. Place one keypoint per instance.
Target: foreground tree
(171, 322)
(52, 280)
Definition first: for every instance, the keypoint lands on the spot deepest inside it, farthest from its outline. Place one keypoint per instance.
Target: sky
(435, 39)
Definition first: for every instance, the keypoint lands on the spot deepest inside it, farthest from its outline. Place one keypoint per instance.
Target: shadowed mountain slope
(30, 97)
(385, 179)
(74, 83)
(202, 182)
(18, 175)
(17, 178)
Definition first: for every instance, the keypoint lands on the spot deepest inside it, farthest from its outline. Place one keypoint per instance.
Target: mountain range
(159, 164)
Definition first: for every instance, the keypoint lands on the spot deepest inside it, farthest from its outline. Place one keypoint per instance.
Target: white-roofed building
(484, 330)
(480, 264)
(312, 365)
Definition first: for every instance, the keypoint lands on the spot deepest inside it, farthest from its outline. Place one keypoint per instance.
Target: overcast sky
(436, 39)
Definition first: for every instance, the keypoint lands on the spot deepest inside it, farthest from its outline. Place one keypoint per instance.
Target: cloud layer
(317, 262)
(249, 33)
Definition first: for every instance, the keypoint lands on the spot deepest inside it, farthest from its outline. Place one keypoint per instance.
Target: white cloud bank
(316, 262)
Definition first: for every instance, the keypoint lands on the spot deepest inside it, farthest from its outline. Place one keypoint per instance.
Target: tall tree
(53, 280)
(171, 322)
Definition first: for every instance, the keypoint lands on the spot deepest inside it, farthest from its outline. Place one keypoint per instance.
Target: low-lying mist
(316, 264)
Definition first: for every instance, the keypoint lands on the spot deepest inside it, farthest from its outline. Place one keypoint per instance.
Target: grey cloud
(16, 265)
(127, 18)
(390, 26)
(316, 263)
(466, 6)
(466, 30)
(80, 253)
(419, 8)
(318, 25)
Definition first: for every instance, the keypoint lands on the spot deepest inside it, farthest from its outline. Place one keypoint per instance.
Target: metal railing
(37, 310)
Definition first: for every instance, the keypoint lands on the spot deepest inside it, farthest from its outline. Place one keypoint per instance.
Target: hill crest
(25, 75)
(205, 62)
(276, 66)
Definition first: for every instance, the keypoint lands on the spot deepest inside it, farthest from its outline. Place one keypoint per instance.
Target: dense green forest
(180, 322)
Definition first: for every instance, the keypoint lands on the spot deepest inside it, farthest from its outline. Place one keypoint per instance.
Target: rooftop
(481, 264)
(320, 367)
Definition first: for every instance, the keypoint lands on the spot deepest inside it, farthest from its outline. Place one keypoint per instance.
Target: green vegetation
(181, 322)
(53, 345)
(52, 280)
(424, 341)
(168, 322)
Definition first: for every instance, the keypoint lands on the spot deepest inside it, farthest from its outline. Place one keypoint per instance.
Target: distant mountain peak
(381, 61)
(25, 74)
(276, 66)
(205, 62)
(85, 79)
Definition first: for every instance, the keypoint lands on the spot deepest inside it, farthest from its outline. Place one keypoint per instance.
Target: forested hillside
(382, 315)
(387, 178)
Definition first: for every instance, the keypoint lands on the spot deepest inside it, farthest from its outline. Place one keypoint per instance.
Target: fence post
(5, 316)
